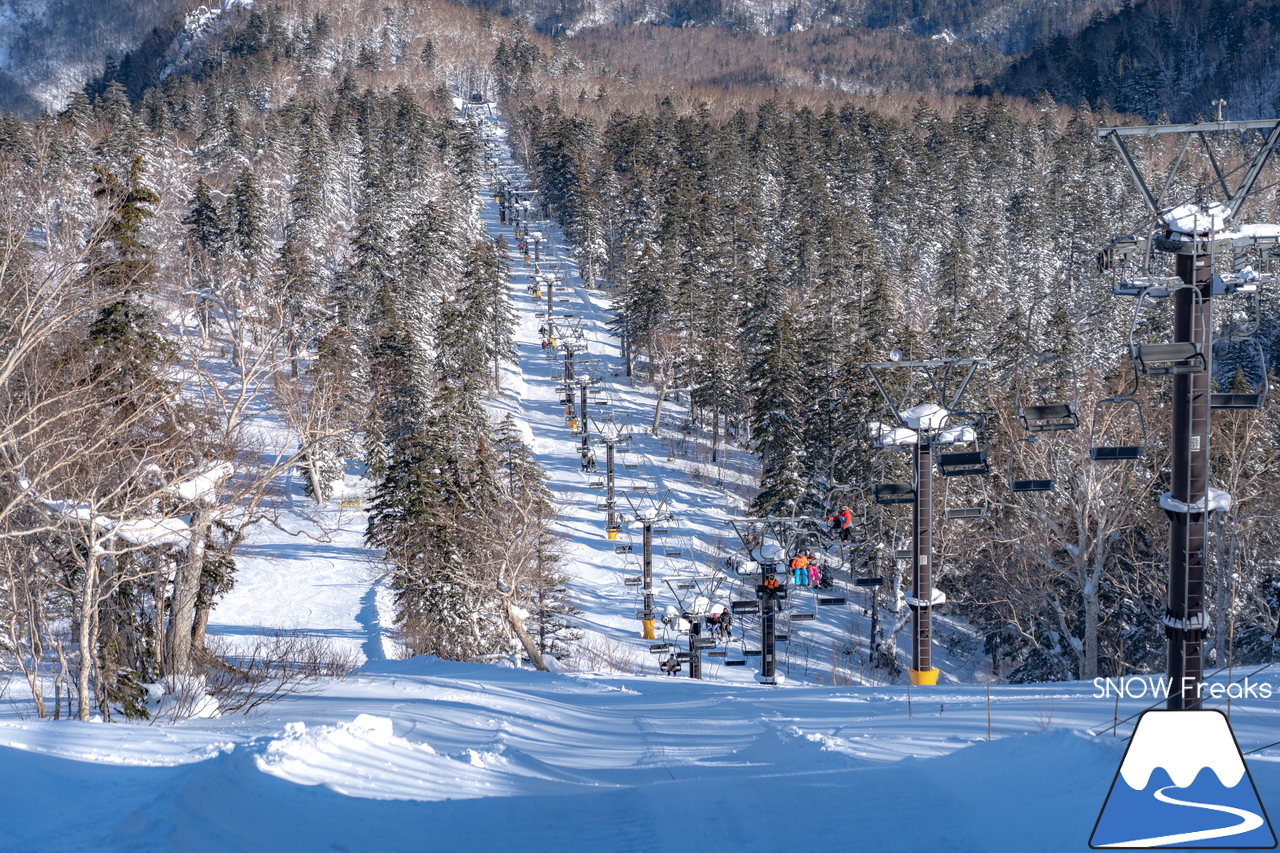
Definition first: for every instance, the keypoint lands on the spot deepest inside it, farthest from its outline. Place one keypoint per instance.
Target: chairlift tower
(611, 435)
(693, 610)
(921, 427)
(1208, 245)
(649, 511)
(787, 531)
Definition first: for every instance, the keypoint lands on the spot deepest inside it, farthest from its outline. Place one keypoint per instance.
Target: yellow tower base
(648, 630)
(612, 532)
(923, 677)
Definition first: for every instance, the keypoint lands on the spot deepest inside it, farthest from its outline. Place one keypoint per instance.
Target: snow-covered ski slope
(701, 495)
(426, 755)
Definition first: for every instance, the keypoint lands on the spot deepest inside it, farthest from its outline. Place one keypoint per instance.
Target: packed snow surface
(429, 755)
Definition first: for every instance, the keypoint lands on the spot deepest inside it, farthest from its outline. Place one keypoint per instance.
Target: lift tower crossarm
(1234, 200)
(1202, 127)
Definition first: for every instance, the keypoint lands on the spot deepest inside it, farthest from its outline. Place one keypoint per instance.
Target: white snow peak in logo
(1181, 784)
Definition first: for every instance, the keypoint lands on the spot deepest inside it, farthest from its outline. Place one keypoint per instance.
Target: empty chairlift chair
(1245, 399)
(1119, 431)
(886, 493)
(964, 463)
(1032, 466)
(1043, 404)
(1165, 359)
(970, 507)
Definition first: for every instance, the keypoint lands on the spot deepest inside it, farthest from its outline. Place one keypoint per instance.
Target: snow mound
(1196, 219)
(925, 416)
(365, 758)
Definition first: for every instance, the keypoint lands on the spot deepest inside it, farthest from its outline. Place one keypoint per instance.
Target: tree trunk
(186, 588)
(657, 407)
(1090, 661)
(715, 435)
(88, 608)
(530, 647)
(201, 627)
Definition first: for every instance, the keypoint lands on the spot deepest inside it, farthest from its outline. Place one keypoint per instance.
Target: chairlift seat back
(1031, 485)
(1048, 418)
(967, 464)
(894, 493)
(1120, 453)
(964, 512)
(1235, 401)
(1169, 359)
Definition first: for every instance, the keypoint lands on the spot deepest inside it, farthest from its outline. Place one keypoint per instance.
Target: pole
(611, 524)
(695, 651)
(648, 579)
(922, 670)
(1185, 618)
(768, 641)
(582, 418)
(875, 623)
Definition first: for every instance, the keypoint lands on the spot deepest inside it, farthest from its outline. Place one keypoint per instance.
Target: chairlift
(1166, 359)
(1105, 436)
(1043, 415)
(1245, 399)
(1105, 447)
(969, 463)
(970, 509)
(1021, 463)
(889, 493)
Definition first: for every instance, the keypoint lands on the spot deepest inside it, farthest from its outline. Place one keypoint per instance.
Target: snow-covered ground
(423, 754)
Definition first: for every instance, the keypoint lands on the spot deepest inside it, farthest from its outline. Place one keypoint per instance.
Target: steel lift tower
(1210, 250)
(921, 427)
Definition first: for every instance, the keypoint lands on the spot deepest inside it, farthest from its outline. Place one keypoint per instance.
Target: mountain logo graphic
(1182, 783)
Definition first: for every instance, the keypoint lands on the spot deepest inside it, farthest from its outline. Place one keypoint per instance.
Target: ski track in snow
(423, 754)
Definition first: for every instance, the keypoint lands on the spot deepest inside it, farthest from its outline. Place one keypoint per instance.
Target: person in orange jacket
(800, 569)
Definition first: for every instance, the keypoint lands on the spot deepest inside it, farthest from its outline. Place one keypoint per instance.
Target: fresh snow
(423, 754)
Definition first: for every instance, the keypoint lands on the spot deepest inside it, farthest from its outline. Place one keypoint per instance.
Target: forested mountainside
(49, 48)
(271, 260)
(1009, 27)
(761, 257)
(834, 59)
(1171, 56)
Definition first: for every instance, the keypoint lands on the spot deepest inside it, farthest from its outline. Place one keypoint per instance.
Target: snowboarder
(671, 665)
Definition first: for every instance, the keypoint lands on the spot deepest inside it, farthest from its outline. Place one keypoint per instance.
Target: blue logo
(1183, 783)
